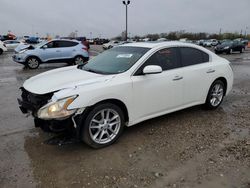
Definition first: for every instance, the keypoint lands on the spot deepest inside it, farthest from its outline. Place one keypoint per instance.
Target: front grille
(34, 100)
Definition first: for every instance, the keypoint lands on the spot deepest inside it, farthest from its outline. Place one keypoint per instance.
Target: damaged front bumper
(31, 103)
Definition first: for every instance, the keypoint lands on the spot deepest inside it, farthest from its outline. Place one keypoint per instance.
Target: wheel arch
(120, 104)
(224, 80)
(30, 56)
(117, 102)
(82, 56)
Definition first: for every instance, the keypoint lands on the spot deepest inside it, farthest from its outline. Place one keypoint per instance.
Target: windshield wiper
(91, 70)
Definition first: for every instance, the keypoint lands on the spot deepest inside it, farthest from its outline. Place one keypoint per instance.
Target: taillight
(84, 48)
(4, 45)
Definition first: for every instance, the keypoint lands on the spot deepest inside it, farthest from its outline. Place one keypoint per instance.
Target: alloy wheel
(78, 61)
(216, 95)
(33, 63)
(105, 126)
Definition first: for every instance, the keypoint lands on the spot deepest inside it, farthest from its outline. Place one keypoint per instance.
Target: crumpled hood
(62, 78)
(21, 47)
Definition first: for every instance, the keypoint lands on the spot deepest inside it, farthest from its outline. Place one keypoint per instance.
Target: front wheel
(215, 95)
(32, 62)
(1, 51)
(103, 125)
(230, 51)
(242, 50)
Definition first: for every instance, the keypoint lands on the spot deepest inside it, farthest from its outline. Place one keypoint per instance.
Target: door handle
(177, 78)
(58, 51)
(210, 71)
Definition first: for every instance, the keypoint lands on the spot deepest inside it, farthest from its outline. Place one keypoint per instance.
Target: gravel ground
(190, 148)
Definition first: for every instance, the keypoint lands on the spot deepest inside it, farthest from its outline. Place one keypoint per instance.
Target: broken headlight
(57, 110)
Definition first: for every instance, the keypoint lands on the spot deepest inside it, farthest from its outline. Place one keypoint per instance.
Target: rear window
(192, 56)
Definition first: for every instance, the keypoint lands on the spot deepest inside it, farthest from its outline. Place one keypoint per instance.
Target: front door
(51, 52)
(154, 94)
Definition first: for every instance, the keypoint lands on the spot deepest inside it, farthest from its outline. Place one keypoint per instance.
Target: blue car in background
(32, 40)
(57, 50)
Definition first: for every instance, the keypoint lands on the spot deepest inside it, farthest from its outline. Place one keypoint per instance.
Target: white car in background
(110, 44)
(162, 39)
(12, 44)
(210, 43)
(123, 86)
(2, 47)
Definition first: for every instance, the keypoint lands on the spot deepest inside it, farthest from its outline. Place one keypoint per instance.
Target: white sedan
(12, 44)
(2, 47)
(110, 44)
(124, 86)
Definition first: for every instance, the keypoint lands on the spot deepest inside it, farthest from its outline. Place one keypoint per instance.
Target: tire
(32, 62)
(97, 131)
(215, 95)
(230, 51)
(78, 60)
(242, 50)
(1, 51)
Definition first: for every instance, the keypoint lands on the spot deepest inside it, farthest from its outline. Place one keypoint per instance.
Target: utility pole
(126, 3)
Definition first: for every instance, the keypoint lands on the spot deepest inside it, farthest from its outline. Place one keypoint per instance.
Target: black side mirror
(45, 47)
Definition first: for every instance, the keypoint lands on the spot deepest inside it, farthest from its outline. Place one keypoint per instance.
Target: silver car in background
(54, 51)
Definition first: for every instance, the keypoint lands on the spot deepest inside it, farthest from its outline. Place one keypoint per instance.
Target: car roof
(65, 40)
(157, 45)
(160, 44)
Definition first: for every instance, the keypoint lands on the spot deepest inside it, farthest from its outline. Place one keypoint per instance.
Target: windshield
(115, 60)
(40, 44)
(227, 43)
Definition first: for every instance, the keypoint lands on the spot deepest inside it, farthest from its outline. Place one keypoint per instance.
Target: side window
(166, 58)
(192, 56)
(169, 58)
(50, 44)
(54, 44)
(63, 44)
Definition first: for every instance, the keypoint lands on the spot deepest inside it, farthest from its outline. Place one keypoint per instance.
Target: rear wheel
(215, 95)
(79, 60)
(33, 62)
(103, 125)
(1, 51)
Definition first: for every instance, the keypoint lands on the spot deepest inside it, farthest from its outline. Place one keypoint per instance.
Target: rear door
(67, 49)
(198, 74)
(237, 46)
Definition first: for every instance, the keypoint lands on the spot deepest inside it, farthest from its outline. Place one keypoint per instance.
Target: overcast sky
(106, 18)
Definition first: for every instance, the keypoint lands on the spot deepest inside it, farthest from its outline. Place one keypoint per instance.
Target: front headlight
(57, 110)
(227, 47)
(22, 51)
